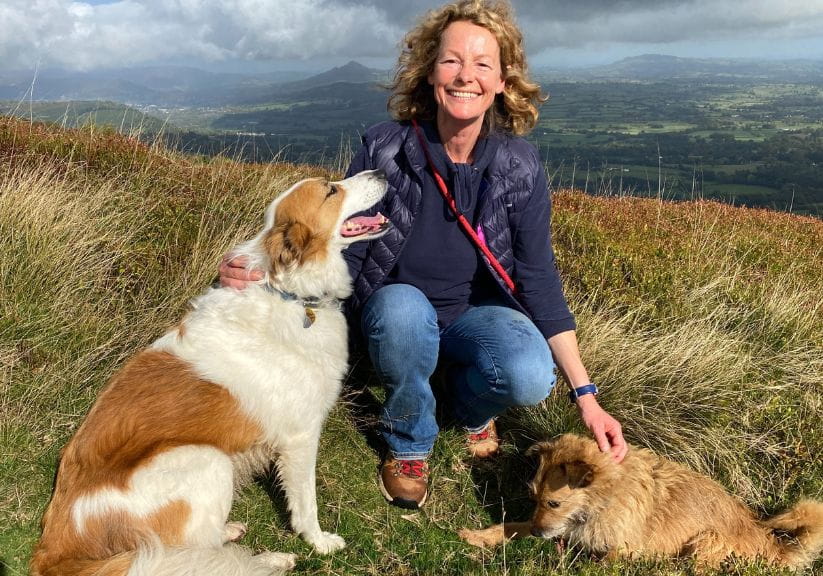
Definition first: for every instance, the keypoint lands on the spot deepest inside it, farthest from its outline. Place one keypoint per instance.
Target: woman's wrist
(586, 401)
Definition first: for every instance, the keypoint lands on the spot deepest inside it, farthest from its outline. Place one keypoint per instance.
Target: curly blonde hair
(514, 111)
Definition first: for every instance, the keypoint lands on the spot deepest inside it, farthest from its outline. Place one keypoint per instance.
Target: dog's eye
(552, 503)
(332, 191)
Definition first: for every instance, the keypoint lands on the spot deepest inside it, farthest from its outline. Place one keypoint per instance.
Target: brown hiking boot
(483, 444)
(405, 483)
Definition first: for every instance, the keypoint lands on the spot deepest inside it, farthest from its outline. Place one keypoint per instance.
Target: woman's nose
(466, 73)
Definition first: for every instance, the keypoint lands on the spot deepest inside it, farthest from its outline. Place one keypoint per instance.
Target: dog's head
(307, 227)
(566, 484)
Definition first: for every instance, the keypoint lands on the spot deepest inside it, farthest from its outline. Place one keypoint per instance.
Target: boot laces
(412, 468)
(478, 436)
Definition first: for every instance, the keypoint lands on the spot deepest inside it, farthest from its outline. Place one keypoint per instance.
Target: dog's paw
(234, 531)
(326, 542)
(471, 537)
(482, 538)
(278, 561)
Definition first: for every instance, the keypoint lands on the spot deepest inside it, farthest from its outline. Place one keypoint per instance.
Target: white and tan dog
(146, 484)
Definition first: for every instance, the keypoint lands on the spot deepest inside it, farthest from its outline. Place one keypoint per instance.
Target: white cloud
(115, 33)
(665, 23)
(82, 35)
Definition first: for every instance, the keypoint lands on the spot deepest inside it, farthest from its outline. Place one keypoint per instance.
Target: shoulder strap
(464, 223)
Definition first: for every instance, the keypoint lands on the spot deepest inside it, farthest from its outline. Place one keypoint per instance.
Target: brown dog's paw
(491, 536)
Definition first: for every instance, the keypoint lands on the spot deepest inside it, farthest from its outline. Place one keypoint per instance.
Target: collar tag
(310, 317)
(309, 304)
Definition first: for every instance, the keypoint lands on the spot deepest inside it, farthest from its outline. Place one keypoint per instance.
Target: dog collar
(309, 304)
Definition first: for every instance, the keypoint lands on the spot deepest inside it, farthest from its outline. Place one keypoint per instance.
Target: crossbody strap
(464, 223)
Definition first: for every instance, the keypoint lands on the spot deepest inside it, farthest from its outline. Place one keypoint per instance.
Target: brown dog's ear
(290, 243)
(579, 474)
(539, 449)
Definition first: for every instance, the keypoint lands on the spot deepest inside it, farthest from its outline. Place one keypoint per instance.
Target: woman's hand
(606, 430)
(234, 274)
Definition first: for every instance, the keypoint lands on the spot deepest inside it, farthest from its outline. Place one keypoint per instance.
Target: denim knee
(400, 326)
(529, 378)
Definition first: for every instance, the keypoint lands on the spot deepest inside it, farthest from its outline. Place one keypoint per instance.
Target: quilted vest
(394, 147)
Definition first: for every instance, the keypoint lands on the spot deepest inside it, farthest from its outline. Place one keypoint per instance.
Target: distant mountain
(185, 87)
(351, 73)
(68, 87)
(168, 86)
(351, 77)
(174, 86)
(661, 67)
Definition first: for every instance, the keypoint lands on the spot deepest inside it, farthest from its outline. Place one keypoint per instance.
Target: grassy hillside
(703, 324)
(125, 119)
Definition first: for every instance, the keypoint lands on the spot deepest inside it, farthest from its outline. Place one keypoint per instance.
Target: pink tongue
(361, 225)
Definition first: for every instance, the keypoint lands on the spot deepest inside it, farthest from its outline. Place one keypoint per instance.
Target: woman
(424, 294)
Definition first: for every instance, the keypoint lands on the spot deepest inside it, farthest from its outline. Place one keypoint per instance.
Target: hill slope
(121, 117)
(701, 322)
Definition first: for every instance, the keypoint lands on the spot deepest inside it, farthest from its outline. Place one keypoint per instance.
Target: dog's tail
(230, 560)
(798, 533)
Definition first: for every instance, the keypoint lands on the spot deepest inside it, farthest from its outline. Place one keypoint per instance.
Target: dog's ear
(579, 473)
(538, 449)
(290, 243)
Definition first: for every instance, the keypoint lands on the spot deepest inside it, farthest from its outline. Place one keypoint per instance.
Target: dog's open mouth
(364, 226)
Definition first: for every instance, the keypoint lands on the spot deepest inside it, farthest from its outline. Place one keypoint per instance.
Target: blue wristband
(576, 393)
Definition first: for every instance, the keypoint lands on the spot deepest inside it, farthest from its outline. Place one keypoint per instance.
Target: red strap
(464, 223)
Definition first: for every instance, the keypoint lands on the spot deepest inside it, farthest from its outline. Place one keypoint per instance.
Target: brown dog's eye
(332, 191)
(553, 504)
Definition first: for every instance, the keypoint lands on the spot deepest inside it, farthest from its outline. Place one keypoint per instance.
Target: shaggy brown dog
(648, 506)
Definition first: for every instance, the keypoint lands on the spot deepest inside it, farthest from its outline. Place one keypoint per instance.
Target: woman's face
(467, 74)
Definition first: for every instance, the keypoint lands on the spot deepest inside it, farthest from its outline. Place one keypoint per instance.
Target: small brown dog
(651, 507)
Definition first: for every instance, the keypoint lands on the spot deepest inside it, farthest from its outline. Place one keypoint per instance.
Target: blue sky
(318, 34)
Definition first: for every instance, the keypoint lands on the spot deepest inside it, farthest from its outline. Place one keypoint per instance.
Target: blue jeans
(496, 356)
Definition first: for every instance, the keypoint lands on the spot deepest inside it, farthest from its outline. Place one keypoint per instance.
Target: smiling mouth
(364, 226)
(462, 95)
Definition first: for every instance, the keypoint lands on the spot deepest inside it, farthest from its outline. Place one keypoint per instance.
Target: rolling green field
(742, 140)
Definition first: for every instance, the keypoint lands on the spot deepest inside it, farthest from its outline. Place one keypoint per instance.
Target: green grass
(702, 323)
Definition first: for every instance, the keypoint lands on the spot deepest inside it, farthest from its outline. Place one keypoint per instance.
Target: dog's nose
(536, 532)
(379, 173)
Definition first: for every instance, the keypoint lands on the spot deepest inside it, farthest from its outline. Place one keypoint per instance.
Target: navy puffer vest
(512, 176)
